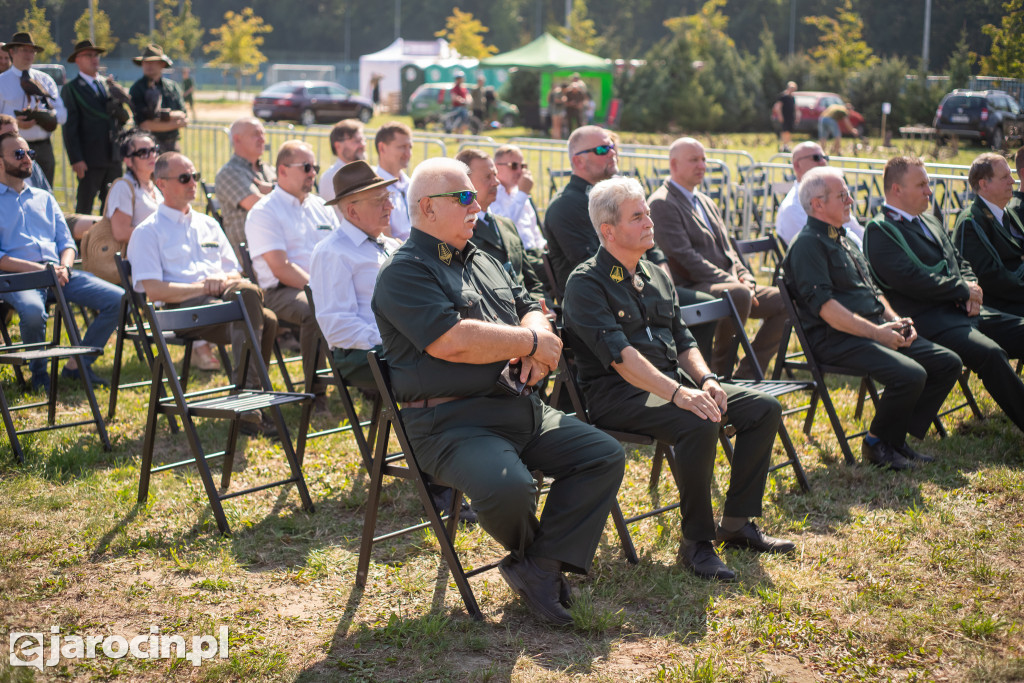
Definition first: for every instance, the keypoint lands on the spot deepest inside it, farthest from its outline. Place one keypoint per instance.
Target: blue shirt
(32, 226)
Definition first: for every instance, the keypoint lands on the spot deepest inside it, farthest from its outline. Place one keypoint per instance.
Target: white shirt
(12, 98)
(327, 180)
(342, 275)
(517, 207)
(792, 218)
(121, 194)
(172, 246)
(400, 222)
(279, 221)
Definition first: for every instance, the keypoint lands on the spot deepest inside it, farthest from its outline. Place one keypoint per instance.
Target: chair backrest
(212, 203)
(44, 279)
(792, 312)
(246, 259)
(549, 270)
(723, 309)
(767, 246)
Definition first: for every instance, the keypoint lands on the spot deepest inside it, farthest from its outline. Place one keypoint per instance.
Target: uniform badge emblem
(617, 274)
(444, 253)
(833, 232)
(638, 282)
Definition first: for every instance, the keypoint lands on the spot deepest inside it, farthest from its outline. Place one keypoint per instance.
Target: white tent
(389, 62)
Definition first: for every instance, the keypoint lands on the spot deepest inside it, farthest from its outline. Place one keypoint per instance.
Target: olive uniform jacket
(995, 254)
(698, 255)
(509, 250)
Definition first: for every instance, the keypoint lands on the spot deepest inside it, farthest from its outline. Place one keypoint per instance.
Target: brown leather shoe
(749, 537)
(539, 588)
(701, 559)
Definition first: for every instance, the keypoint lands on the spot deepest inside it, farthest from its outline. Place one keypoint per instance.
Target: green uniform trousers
(754, 414)
(354, 367)
(985, 344)
(487, 448)
(917, 379)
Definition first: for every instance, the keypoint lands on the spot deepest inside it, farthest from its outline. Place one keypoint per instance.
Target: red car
(310, 102)
(811, 103)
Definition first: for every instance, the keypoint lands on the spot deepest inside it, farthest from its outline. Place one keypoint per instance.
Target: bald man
(791, 217)
(689, 230)
(244, 179)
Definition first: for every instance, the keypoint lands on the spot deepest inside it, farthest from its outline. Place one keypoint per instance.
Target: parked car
(811, 103)
(432, 100)
(988, 116)
(310, 102)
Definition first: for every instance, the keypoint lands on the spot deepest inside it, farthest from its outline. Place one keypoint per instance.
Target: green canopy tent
(556, 63)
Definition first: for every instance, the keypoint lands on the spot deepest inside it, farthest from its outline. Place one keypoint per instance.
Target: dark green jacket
(509, 249)
(996, 256)
(93, 123)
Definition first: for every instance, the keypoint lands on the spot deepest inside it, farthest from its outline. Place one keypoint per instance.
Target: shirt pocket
(843, 271)
(468, 304)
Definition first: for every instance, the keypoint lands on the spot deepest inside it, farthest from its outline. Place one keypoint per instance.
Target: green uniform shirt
(423, 291)
(606, 314)
(170, 98)
(822, 264)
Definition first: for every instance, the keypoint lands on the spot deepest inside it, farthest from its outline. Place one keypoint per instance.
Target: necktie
(100, 90)
(1011, 225)
(489, 221)
(924, 228)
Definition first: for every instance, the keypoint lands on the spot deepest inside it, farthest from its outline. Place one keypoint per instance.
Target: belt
(431, 402)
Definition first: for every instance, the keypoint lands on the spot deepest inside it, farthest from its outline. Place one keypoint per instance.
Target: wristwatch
(68, 268)
(705, 378)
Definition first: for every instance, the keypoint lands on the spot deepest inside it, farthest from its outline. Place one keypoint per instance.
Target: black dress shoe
(540, 588)
(884, 455)
(702, 560)
(751, 538)
(910, 454)
(441, 498)
(564, 592)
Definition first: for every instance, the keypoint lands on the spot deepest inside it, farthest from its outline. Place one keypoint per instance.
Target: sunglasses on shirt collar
(185, 177)
(600, 150)
(465, 197)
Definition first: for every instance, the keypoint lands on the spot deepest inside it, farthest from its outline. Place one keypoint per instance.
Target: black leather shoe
(441, 497)
(539, 588)
(749, 537)
(884, 455)
(76, 375)
(910, 454)
(702, 560)
(564, 591)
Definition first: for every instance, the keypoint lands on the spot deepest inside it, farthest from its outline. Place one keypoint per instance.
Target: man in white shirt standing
(348, 144)
(394, 151)
(281, 231)
(43, 112)
(344, 269)
(514, 202)
(791, 217)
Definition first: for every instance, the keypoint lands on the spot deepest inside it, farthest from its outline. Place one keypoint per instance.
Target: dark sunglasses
(465, 197)
(814, 157)
(513, 165)
(600, 150)
(185, 177)
(144, 153)
(306, 167)
(20, 154)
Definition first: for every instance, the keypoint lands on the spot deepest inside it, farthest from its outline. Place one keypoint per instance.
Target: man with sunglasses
(452, 321)
(848, 322)
(33, 233)
(791, 217)
(281, 231)
(927, 278)
(514, 202)
(689, 229)
(244, 179)
(182, 258)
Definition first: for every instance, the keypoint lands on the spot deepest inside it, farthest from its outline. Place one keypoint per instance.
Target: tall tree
(581, 33)
(100, 27)
(36, 23)
(179, 33)
(960, 63)
(238, 44)
(841, 49)
(1006, 58)
(466, 34)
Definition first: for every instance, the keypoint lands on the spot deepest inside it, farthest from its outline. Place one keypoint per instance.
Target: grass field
(916, 576)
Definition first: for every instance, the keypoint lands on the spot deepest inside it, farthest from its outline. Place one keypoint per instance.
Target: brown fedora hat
(356, 176)
(82, 46)
(21, 40)
(153, 53)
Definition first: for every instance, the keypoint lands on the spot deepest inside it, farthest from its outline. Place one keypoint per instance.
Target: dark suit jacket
(510, 250)
(997, 263)
(698, 255)
(90, 129)
(911, 289)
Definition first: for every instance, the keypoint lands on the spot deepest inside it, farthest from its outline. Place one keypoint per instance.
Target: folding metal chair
(17, 355)
(229, 402)
(444, 527)
(279, 360)
(212, 203)
(724, 308)
(765, 247)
